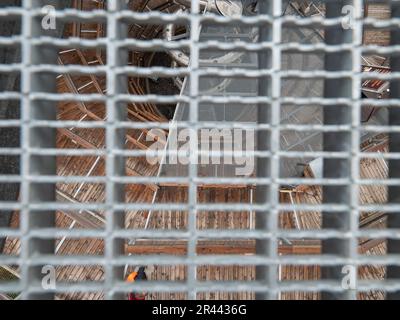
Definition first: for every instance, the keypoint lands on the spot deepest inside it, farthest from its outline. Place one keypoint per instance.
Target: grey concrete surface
(9, 137)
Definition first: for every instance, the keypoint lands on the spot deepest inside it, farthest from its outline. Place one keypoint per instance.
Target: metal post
(265, 219)
(32, 192)
(336, 114)
(393, 245)
(115, 140)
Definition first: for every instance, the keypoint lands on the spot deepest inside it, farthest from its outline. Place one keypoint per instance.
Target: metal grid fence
(341, 150)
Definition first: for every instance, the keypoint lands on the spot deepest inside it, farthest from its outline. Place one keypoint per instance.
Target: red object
(136, 296)
(134, 276)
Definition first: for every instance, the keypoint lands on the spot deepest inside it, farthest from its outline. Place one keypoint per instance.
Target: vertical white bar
(110, 140)
(275, 146)
(25, 138)
(264, 246)
(355, 135)
(193, 120)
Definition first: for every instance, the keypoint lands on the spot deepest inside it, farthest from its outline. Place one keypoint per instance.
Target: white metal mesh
(340, 133)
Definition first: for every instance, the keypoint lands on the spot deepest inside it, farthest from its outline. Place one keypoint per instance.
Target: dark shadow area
(9, 137)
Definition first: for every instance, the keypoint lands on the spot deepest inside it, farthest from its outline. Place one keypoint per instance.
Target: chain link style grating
(340, 129)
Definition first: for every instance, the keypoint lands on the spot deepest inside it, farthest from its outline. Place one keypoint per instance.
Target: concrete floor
(9, 137)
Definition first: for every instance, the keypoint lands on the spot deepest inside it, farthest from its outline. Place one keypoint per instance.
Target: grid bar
(338, 141)
(393, 272)
(330, 198)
